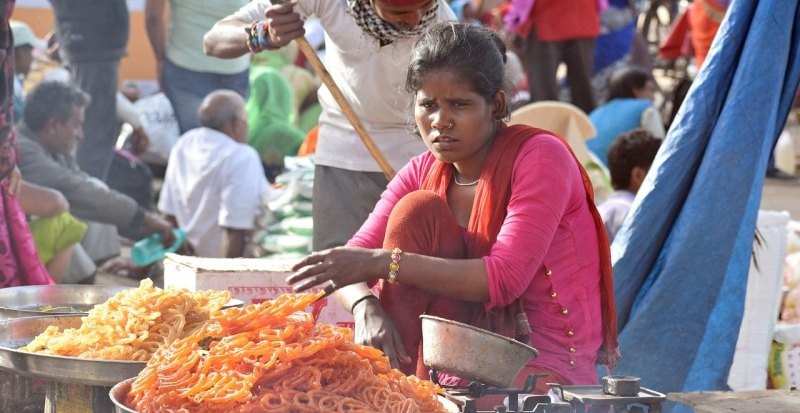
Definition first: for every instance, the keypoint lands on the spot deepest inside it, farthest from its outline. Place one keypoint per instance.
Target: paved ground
(782, 196)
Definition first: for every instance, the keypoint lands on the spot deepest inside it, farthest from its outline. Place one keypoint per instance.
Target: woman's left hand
(342, 266)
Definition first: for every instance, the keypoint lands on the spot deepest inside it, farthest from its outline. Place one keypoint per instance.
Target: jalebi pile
(270, 357)
(132, 324)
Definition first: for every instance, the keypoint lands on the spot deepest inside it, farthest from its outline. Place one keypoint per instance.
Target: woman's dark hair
(636, 148)
(622, 83)
(52, 99)
(474, 53)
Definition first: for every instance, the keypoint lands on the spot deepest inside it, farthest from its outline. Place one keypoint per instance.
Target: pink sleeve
(541, 186)
(407, 179)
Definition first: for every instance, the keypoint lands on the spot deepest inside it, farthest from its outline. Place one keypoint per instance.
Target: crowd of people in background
(239, 108)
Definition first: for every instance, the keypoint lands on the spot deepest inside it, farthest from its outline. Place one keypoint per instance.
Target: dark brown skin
(457, 125)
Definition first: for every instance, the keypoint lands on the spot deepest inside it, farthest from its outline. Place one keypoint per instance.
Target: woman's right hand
(374, 328)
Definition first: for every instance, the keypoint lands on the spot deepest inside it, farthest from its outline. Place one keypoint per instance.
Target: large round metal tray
(30, 301)
(52, 300)
(17, 333)
(120, 391)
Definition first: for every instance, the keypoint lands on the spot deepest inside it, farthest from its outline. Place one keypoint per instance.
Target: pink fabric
(548, 227)
(19, 262)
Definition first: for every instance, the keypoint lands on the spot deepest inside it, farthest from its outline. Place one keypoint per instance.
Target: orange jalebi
(132, 324)
(270, 357)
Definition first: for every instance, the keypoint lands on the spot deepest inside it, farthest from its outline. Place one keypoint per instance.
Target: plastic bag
(784, 370)
(158, 120)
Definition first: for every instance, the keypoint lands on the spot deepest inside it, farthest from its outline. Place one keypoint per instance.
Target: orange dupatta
(488, 213)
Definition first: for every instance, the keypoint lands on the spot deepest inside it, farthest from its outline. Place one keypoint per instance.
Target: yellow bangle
(394, 266)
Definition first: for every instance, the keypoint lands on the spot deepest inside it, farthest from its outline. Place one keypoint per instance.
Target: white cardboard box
(250, 280)
(762, 304)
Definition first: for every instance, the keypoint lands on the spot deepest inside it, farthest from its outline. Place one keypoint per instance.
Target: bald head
(220, 108)
(224, 111)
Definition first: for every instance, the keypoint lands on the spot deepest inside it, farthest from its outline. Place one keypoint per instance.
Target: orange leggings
(420, 223)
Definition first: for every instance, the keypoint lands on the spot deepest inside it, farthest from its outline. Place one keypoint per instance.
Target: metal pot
(472, 353)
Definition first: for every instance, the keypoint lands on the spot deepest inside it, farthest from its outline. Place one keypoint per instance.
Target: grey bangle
(357, 302)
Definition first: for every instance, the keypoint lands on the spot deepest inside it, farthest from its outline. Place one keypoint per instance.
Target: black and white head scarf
(386, 33)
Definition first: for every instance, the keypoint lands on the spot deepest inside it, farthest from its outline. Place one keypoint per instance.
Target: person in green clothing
(55, 231)
(306, 107)
(269, 119)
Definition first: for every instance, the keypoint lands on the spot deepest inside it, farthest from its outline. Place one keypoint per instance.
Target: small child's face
(648, 91)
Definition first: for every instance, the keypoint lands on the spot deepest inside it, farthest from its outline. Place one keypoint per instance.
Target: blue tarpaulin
(682, 257)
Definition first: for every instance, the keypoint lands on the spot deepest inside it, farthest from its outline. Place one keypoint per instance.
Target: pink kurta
(548, 230)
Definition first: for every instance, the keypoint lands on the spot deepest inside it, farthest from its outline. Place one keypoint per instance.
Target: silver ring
(449, 126)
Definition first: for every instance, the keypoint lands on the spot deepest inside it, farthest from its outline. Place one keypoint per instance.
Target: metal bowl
(472, 353)
(17, 333)
(120, 391)
(30, 301)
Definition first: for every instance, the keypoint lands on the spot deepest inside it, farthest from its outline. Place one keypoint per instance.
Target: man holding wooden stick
(368, 46)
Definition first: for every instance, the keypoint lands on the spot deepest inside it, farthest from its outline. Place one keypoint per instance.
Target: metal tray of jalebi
(51, 300)
(40, 300)
(20, 332)
(120, 391)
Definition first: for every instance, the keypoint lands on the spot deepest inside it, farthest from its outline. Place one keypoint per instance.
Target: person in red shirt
(558, 31)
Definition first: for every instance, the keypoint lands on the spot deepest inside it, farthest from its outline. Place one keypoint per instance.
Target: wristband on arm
(257, 37)
(357, 302)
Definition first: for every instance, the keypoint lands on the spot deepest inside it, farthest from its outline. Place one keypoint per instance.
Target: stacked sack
(286, 230)
(784, 362)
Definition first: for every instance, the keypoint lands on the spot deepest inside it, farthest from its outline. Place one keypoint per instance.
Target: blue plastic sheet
(682, 257)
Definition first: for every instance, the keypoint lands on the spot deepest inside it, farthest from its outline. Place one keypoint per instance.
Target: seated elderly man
(52, 128)
(215, 182)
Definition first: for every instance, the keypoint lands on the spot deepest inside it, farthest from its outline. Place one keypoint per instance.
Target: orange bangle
(394, 266)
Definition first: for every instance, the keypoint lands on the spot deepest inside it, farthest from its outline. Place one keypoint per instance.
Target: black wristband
(357, 302)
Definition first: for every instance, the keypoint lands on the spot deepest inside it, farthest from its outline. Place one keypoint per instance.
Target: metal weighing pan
(16, 302)
(17, 333)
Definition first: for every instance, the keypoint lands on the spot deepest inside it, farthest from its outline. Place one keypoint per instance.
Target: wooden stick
(338, 96)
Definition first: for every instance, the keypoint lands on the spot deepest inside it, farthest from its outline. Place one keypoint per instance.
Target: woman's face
(456, 123)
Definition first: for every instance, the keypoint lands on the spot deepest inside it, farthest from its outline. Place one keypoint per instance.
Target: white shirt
(614, 210)
(212, 182)
(372, 79)
(651, 122)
